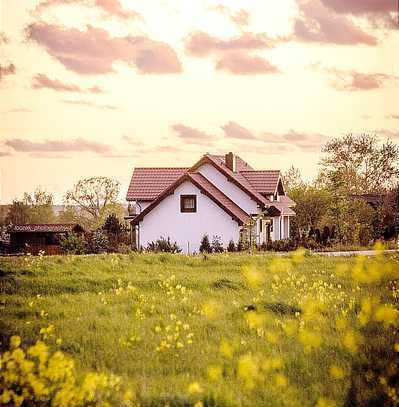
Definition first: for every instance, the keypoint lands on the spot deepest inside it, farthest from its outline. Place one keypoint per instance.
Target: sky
(98, 87)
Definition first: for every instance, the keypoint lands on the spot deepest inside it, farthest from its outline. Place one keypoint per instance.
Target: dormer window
(188, 203)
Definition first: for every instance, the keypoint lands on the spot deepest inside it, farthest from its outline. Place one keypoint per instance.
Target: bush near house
(163, 245)
(205, 246)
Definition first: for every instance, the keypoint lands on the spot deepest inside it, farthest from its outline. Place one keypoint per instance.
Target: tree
(18, 213)
(205, 246)
(312, 204)
(93, 195)
(292, 179)
(358, 164)
(40, 206)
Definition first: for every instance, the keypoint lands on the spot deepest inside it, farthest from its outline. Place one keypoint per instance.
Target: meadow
(217, 330)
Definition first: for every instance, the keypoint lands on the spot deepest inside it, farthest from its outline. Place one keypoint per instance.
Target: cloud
(393, 116)
(89, 104)
(201, 44)
(6, 70)
(240, 17)
(236, 131)
(134, 141)
(391, 134)
(353, 81)
(379, 12)
(41, 81)
(75, 145)
(192, 136)
(112, 8)
(18, 110)
(240, 63)
(4, 154)
(94, 51)
(320, 24)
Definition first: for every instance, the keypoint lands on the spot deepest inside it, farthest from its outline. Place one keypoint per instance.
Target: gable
(208, 189)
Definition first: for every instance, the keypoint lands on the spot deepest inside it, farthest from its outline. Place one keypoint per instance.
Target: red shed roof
(43, 228)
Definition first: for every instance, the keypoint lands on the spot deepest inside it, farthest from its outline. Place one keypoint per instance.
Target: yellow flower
(226, 349)
(281, 380)
(309, 339)
(396, 347)
(254, 277)
(387, 314)
(336, 372)
(351, 341)
(210, 309)
(215, 373)
(194, 388)
(15, 341)
(323, 402)
(255, 320)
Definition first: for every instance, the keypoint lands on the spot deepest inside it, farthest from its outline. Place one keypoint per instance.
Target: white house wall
(187, 229)
(238, 196)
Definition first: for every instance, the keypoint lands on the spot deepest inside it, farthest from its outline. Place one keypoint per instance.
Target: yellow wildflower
(215, 373)
(194, 388)
(15, 341)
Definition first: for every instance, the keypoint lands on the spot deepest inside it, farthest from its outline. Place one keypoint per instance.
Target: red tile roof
(241, 165)
(147, 183)
(235, 177)
(206, 188)
(265, 182)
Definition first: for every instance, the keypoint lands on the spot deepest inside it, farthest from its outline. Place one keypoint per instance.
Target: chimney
(230, 160)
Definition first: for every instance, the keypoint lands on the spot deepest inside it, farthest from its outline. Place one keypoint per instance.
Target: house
(34, 238)
(219, 196)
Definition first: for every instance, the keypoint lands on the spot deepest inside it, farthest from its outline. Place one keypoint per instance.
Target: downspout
(138, 229)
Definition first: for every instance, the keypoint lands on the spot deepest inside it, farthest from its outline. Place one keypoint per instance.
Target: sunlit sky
(97, 87)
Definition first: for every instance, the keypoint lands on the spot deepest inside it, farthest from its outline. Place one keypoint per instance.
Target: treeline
(88, 203)
(354, 200)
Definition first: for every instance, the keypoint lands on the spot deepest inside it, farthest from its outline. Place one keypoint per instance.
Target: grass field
(227, 330)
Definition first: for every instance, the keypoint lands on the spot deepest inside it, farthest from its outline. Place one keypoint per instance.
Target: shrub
(231, 247)
(73, 244)
(217, 246)
(205, 246)
(163, 245)
(98, 242)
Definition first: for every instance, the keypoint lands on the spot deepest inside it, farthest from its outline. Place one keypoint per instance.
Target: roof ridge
(161, 168)
(260, 171)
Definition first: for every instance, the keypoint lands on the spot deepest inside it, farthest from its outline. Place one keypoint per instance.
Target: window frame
(188, 210)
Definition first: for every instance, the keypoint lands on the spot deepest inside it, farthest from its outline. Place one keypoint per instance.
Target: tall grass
(228, 330)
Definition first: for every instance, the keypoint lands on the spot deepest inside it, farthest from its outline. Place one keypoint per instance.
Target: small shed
(33, 238)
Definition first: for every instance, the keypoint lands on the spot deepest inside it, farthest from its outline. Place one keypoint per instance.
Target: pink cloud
(76, 145)
(94, 51)
(7, 70)
(382, 13)
(90, 104)
(192, 136)
(235, 130)
(318, 23)
(201, 44)
(356, 81)
(42, 81)
(240, 17)
(240, 63)
(111, 8)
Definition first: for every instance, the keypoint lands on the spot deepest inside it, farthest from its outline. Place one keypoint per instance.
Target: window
(188, 203)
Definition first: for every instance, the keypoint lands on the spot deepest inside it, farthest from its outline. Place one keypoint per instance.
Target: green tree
(40, 205)
(18, 213)
(358, 164)
(93, 196)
